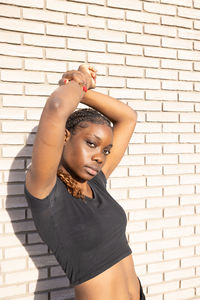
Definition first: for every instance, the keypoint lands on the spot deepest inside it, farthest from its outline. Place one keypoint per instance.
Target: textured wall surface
(147, 54)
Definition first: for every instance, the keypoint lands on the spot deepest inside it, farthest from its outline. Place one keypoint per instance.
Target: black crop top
(86, 237)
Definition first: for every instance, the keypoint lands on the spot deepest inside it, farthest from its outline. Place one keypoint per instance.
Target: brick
(109, 35)
(196, 47)
(105, 58)
(160, 30)
(189, 96)
(118, 194)
(179, 274)
(190, 138)
(29, 3)
(9, 139)
(175, 64)
(10, 164)
(145, 236)
(162, 159)
(160, 245)
(18, 126)
(189, 241)
(28, 275)
(143, 83)
(62, 293)
(85, 21)
(162, 202)
(147, 258)
(9, 11)
(197, 87)
(138, 248)
(51, 284)
(135, 227)
(156, 52)
(56, 271)
(21, 26)
(179, 190)
(65, 55)
(44, 41)
(127, 4)
(190, 220)
(189, 76)
(68, 7)
(196, 24)
(187, 3)
(126, 25)
(190, 262)
(12, 215)
(14, 176)
(103, 81)
(119, 172)
(189, 13)
(161, 95)
(125, 71)
(175, 21)
(178, 232)
(178, 148)
(124, 49)
(12, 240)
(42, 90)
(18, 289)
(162, 180)
(43, 65)
(178, 106)
(67, 31)
(191, 117)
(28, 250)
(20, 51)
(196, 4)
(126, 93)
(161, 138)
(129, 182)
(11, 63)
(147, 214)
(178, 169)
(78, 44)
(10, 37)
(12, 151)
(162, 117)
(13, 265)
(188, 34)
(107, 12)
(145, 170)
(160, 8)
(180, 294)
(177, 85)
(145, 192)
(175, 212)
(145, 128)
(11, 113)
(22, 76)
(13, 88)
(177, 43)
(142, 61)
(133, 204)
(143, 39)
(162, 74)
(163, 287)
(23, 101)
(43, 15)
(145, 149)
(142, 17)
(187, 199)
(131, 160)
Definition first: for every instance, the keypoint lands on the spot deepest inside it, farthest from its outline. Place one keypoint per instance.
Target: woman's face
(85, 151)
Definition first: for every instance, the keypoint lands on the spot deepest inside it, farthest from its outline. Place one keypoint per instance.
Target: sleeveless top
(86, 237)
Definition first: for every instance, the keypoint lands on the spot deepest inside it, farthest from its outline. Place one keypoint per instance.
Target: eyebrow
(98, 138)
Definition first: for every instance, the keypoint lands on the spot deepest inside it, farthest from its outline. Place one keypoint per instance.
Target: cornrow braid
(80, 119)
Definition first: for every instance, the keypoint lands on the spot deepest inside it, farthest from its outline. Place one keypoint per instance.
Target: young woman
(74, 153)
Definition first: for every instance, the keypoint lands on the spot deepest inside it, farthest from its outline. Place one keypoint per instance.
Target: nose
(98, 157)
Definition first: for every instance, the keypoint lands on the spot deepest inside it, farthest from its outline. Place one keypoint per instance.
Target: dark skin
(54, 148)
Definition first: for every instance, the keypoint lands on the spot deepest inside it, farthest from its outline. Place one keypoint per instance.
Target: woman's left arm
(124, 120)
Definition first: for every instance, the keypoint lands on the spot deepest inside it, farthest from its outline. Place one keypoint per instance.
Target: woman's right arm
(49, 141)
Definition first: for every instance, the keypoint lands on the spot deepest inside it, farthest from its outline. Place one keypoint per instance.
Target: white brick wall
(147, 54)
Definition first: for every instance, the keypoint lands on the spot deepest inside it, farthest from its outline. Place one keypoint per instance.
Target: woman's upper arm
(122, 132)
(46, 155)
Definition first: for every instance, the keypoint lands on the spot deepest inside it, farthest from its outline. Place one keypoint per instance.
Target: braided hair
(80, 119)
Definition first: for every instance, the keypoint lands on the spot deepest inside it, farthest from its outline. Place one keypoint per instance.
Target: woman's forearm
(112, 108)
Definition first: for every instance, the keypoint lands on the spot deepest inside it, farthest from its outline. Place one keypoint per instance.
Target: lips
(92, 170)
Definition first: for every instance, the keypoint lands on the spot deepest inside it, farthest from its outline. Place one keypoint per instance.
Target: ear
(67, 135)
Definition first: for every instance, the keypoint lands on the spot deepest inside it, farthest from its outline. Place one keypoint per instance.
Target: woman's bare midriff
(119, 282)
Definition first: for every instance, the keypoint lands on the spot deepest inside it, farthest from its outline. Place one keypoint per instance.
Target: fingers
(77, 76)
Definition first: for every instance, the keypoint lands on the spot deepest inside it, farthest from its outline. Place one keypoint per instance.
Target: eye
(91, 144)
(106, 151)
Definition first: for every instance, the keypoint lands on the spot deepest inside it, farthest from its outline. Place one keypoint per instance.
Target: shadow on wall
(42, 274)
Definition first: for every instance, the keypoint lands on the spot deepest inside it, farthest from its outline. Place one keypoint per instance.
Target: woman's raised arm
(49, 141)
